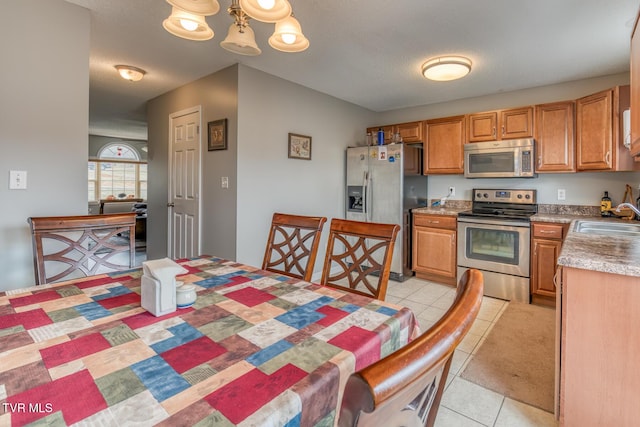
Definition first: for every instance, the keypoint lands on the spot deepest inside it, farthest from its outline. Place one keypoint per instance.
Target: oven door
(494, 245)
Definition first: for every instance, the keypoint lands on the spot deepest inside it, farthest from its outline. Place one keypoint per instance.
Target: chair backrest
(358, 257)
(67, 247)
(405, 388)
(292, 245)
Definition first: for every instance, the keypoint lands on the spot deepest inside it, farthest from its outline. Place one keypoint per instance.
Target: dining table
(255, 349)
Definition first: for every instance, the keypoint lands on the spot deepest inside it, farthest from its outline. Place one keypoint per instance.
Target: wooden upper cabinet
(514, 123)
(554, 135)
(410, 132)
(635, 89)
(483, 126)
(444, 142)
(599, 140)
(388, 131)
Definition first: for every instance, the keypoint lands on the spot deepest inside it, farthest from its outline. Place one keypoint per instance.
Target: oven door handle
(497, 221)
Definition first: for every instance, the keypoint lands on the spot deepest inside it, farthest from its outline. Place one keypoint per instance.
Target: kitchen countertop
(597, 252)
(616, 255)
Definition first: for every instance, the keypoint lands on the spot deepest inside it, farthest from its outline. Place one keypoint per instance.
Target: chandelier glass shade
(288, 36)
(266, 10)
(187, 20)
(241, 40)
(190, 26)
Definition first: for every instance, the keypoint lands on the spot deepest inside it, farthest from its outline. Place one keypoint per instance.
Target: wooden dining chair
(358, 257)
(292, 245)
(405, 388)
(67, 247)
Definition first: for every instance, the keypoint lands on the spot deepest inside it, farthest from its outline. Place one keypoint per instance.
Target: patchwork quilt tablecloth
(256, 349)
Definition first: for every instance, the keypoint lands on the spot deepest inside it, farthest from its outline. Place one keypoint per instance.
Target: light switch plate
(17, 180)
(224, 182)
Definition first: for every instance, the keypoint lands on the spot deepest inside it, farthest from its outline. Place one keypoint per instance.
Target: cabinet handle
(434, 222)
(547, 231)
(494, 132)
(540, 161)
(502, 130)
(555, 278)
(607, 158)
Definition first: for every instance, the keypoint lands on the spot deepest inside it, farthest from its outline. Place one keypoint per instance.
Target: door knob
(171, 205)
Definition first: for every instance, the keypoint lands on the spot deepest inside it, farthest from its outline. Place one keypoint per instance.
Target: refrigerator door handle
(368, 205)
(364, 193)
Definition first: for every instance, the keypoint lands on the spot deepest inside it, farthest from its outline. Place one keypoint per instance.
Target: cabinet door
(410, 132)
(388, 132)
(635, 90)
(434, 251)
(443, 152)
(412, 160)
(482, 126)
(594, 131)
(544, 258)
(555, 142)
(516, 123)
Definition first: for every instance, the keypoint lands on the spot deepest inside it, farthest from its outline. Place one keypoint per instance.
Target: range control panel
(504, 196)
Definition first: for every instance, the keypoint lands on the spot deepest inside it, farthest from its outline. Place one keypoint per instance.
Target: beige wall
(44, 122)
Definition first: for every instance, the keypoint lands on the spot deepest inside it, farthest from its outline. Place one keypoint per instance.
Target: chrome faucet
(628, 205)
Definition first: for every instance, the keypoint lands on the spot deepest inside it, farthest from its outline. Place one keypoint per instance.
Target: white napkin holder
(158, 285)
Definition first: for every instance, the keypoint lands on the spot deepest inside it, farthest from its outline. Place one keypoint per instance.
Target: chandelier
(187, 20)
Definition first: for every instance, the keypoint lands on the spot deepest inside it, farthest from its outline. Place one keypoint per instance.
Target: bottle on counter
(380, 136)
(605, 205)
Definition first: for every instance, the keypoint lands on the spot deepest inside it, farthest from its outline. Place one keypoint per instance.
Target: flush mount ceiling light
(133, 74)
(187, 20)
(445, 68)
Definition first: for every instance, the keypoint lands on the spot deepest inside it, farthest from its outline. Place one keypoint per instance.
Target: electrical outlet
(452, 191)
(562, 195)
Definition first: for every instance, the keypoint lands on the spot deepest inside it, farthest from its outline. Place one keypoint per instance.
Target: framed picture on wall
(299, 147)
(217, 135)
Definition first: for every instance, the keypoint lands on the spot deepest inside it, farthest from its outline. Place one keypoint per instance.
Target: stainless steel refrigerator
(384, 182)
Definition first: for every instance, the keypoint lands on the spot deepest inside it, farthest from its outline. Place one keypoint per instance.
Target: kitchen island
(598, 339)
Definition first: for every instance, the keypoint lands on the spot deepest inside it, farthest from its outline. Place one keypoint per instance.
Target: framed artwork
(217, 135)
(299, 147)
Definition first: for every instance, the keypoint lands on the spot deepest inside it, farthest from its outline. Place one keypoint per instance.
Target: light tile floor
(463, 402)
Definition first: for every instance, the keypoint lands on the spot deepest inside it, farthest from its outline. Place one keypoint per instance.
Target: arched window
(118, 173)
(118, 151)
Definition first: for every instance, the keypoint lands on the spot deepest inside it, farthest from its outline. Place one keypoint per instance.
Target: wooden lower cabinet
(546, 243)
(434, 248)
(599, 348)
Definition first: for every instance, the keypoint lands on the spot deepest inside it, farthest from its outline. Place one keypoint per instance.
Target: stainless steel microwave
(512, 158)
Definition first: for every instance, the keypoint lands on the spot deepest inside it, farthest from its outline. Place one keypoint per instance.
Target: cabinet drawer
(548, 231)
(437, 221)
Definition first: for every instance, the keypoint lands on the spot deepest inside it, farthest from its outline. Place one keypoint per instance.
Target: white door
(184, 184)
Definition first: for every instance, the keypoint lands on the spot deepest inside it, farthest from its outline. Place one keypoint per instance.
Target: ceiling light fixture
(446, 68)
(133, 74)
(187, 21)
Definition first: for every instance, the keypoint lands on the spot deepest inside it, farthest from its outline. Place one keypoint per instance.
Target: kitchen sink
(608, 228)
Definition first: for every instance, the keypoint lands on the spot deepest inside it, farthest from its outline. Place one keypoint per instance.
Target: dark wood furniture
(67, 247)
(104, 202)
(358, 257)
(292, 245)
(405, 387)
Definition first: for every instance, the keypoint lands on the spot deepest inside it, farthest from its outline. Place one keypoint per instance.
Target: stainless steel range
(494, 237)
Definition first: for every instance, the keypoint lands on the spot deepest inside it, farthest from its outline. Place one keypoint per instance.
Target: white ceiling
(367, 52)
